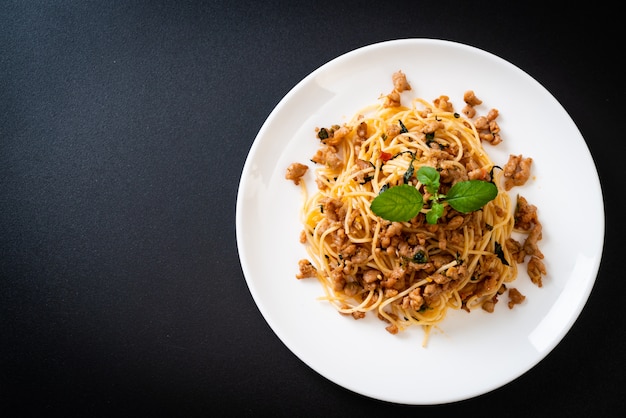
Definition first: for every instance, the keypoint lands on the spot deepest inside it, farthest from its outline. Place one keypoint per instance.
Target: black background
(124, 127)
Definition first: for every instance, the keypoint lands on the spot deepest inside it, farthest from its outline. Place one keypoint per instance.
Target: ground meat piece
(405, 250)
(393, 130)
(530, 244)
(481, 123)
(536, 269)
(440, 278)
(340, 239)
(394, 229)
(413, 300)
(479, 174)
(361, 130)
(399, 85)
(457, 272)
(348, 251)
(396, 274)
(361, 256)
(470, 98)
(440, 260)
(487, 135)
(443, 103)
(295, 171)
(399, 82)
(328, 155)
(306, 269)
(372, 275)
(525, 214)
(488, 284)
(469, 111)
(392, 329)
(516, 250)
(490, 305)
(492, 115)
(432, 126)
(358, 315)
(334, 209)
(351, 289)
(494, 129)
(516, 171)
(392, 99)
(455, 222)
(337, 136)
(322, 182)
(515, 297)
(338, 278)
(431, 292)
(451, 173)
(487, 127)
(362, 167)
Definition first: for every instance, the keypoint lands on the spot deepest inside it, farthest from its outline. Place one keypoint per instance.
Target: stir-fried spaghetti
(411, 272)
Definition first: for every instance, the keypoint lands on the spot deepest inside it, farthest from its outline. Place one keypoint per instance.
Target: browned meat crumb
(470, 98)
(490, 305)
(487, 127)
(516, 250)
(361, 130)
(306, 269)
(337, 135)
(516, 171)
(536, 269)
(469, 111)
(531, 246)
(392, 329)
(399, 82)
(492, 115)
(399, 85)
(295, 171)
(329, 156)
(525, 214)
(358, 315)
(393, 130)
(392, 99)
(432, 126)
(443, 103)
(515, 297)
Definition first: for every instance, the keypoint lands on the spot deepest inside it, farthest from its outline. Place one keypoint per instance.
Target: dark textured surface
(124, 127)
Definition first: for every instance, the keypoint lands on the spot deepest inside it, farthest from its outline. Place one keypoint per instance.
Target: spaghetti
(408, 272)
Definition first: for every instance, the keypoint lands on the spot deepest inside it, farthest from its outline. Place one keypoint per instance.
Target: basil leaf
(435, 212)
(398, 204)
(410, 170)
(420, 257)
(500, 253)
(471, 195)
(429, 177)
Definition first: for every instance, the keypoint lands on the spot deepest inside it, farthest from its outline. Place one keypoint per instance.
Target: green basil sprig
(398, 204)
(402, 203)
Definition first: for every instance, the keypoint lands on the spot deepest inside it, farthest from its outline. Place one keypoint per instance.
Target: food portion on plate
(411, 217)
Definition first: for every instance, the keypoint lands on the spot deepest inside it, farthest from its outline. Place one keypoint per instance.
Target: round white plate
(472, 353)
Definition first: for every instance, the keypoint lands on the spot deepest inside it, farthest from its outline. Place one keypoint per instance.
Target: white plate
(474, 353)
